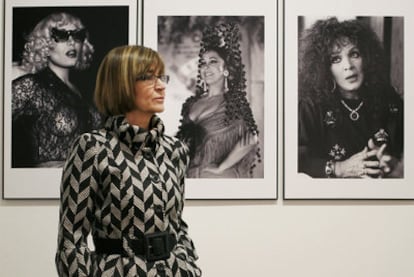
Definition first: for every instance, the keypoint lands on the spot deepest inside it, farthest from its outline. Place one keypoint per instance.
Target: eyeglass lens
(164, 78)
(63, 35)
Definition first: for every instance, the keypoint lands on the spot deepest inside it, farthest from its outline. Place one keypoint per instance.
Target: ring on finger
(364, 172)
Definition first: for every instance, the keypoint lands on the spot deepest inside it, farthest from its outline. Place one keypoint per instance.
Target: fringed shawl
(219, 139)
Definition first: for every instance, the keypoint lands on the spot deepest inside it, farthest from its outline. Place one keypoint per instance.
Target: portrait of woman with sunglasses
(48, 110)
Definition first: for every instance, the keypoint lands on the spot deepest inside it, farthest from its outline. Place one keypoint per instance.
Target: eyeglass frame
(61, 35)
(154, 78)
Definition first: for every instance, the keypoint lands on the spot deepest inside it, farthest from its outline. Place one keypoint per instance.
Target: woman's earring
(205, 88)
(226, 82)
(334, 86)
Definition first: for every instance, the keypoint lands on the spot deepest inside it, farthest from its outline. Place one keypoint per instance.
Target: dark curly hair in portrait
(315, 49)
(225, 40)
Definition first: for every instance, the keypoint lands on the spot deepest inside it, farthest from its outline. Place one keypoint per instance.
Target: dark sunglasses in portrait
(60, 35)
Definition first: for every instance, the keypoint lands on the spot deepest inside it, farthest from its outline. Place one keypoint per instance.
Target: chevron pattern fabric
(122, 182)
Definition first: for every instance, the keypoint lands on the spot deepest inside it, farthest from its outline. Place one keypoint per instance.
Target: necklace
(354, 115)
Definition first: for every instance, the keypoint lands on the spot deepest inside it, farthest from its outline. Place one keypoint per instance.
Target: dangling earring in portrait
(205, 88)
(334, 86)
(226, 83)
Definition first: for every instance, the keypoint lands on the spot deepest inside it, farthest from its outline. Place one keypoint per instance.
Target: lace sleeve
(24, 90)
(96, 120)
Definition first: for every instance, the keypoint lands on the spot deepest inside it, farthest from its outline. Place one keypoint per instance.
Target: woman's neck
(215, 89)
(139, 118)
(63, 75)
(349, 95)
(61, 72)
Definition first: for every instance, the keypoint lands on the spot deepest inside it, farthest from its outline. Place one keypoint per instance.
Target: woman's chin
(351, 88)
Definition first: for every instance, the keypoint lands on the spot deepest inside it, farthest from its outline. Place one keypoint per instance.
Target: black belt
(153, 247)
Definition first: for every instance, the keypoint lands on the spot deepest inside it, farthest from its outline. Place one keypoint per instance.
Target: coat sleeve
(78, 187)
(183, 239)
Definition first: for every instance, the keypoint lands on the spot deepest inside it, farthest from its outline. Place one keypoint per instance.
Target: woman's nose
(160, 84)
(347, 63)
(70, 41)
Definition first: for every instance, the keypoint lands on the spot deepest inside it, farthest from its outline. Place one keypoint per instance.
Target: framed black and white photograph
(346, 95)
(52, 53)
(222, 97)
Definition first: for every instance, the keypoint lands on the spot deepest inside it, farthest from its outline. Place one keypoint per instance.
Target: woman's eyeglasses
(153, 78)
(63, 35)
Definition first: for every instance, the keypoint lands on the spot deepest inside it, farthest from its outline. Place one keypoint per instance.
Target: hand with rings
(360, 165)
(386, 162)
(370, 168)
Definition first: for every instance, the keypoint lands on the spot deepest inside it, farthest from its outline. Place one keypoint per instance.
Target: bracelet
(330, 169)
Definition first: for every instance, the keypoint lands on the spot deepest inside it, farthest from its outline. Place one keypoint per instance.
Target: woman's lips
(352, 78)
(71, 54)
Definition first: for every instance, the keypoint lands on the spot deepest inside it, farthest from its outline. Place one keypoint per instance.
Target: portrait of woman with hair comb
(217, 122)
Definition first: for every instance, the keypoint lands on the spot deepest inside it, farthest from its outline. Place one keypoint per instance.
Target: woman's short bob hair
(117, 74)
(39, 42)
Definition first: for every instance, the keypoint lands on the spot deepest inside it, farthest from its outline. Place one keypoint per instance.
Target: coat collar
(135, 136)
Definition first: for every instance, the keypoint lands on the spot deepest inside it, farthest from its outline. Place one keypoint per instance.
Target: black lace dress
(47, 116)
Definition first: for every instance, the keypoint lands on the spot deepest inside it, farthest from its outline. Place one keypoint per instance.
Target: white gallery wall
(244, 238)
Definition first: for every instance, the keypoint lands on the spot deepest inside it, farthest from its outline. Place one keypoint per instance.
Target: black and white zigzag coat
(122, 182)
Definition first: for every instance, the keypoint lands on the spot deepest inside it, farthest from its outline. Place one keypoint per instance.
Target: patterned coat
(122, 182)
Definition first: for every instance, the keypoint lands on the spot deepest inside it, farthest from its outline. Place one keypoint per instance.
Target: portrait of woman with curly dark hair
(217, 121)
(350, 114)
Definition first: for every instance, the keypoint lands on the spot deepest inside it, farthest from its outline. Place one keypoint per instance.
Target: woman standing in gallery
(350, 117)
(48, 110)
(124, 183)
(217, 122)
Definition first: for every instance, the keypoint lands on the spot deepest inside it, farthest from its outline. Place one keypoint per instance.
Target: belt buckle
(157, 246)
